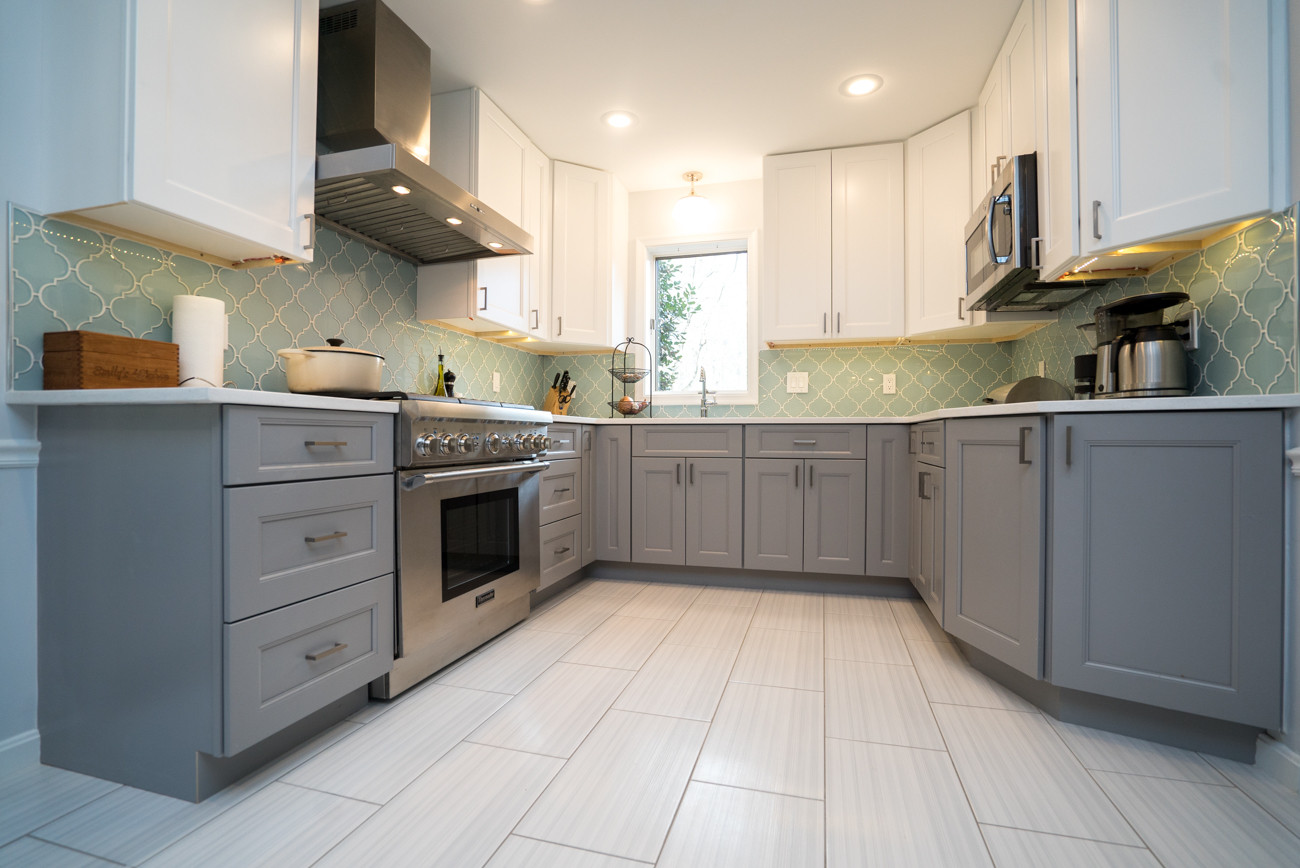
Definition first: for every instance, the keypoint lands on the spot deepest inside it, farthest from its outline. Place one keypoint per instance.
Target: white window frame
(649, 249)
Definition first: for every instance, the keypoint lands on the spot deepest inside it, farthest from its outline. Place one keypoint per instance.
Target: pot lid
(336, 346)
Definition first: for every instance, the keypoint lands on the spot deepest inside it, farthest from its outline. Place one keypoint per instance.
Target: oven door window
(480, 540)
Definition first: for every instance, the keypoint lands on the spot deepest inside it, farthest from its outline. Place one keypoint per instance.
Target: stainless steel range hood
(373, 112)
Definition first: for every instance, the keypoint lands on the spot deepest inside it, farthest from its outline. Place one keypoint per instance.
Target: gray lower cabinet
(888, 501)
(561, 549)
(994, 537)
(560, 490)
(612, 457)
(560, 505)
(1166, 563)
(805, 515)
(687, 511)
(588, 523)
(926, 565)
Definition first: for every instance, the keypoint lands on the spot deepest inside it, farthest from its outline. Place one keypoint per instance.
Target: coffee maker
(1139, 355)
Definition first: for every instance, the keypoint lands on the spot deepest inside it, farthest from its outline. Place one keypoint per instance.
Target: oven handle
(412, 482)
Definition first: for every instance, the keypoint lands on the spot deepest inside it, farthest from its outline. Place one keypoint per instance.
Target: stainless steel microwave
(1001, 238)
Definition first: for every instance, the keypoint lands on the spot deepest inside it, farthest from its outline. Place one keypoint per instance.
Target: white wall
(20, 104)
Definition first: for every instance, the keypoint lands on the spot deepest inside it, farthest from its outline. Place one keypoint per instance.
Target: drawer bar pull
(321, 655)
(560, 490)
(805, 442)
(561, 551)
(324, 443)
(338, 534)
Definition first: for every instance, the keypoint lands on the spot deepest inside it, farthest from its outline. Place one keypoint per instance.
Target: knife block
(552, 403)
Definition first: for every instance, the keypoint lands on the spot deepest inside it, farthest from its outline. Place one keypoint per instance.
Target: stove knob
(495, 443)
(424, 445)
(446, 443)
(546, 444)
(534, 442)
(463, 444)
(518, 442)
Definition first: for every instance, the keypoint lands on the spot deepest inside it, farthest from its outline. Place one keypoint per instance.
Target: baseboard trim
(1278, 761)
(19, 752)
(19, 453)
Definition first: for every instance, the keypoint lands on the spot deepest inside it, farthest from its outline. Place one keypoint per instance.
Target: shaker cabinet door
(835, 505)
(714, 512)
(659, 510)
(774, 514)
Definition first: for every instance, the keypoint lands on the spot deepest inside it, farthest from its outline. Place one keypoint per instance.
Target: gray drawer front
(686, 441)
(561, 549)
(264, 444)
(270, 683)
(806, 441)
(925, 443)
(560, 490)
(270, 561)
(566, 440)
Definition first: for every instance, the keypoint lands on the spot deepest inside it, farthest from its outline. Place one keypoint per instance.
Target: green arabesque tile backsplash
(69, 277)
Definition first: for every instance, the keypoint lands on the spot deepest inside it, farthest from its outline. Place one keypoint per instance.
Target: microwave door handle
(994, 202)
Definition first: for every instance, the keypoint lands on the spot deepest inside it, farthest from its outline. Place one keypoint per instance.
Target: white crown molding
(19, 453)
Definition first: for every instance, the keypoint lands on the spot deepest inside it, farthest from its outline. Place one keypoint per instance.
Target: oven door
(467, 549)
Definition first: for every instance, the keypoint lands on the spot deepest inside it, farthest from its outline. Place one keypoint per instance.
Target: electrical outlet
(796, 382)
(889, 384)
(496, 381)
(1042, 369)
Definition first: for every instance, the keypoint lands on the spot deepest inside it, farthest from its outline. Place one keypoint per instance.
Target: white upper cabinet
(192, 125)
(1058, 173)
(1004, 124)
(1174, 124)
(938, 206)
(589, 257)
(477, 146)
(833, 248)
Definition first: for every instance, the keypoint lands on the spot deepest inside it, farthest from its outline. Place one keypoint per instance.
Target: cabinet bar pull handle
(338, 534)
(321, 655)
(796, 476)
(560, 329)
(483, 289)
(311, 231)
(310, 443)
(537, 318)
(1036, 243)
(561, 550)
(586, 440)
(961, 308)
(679, 473)
(691, 475)
(805, 442)
(810, 476)
(1024, 438)
(824, 327)
(920, 485)
(911, 442)
(1096, 219)
(837, 323)
(1069, 444)
(560, 490)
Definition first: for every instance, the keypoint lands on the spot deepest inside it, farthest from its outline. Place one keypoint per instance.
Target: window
(700, 298)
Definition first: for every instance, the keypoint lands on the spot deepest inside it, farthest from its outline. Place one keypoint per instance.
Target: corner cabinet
(1166, 565)
(833, 254)
(994, 550)
(589, 265)
(200, 148)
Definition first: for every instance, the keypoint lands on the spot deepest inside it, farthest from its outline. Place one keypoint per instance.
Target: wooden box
(91, 360)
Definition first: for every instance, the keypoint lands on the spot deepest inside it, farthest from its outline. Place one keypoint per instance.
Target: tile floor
(628, 724)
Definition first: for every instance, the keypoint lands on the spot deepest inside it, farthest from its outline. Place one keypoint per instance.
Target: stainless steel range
(467, 528)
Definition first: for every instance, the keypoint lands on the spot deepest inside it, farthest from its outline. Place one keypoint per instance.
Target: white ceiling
(715, 84)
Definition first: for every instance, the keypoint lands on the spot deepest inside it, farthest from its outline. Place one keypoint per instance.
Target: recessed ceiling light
(454, 221)
(400, 190)
(619, 119)
(861, 85)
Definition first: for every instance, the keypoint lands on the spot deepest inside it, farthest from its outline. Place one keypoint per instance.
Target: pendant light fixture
(692, 209)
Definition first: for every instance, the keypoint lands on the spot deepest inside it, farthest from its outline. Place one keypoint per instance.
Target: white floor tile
(666, 602)
(620, 643)
(766, 738)
(781, 658)
(519, 852)
(916, 622)
(1187, 824)
(31, 853)
(711, 626)
(888, 805)
(1017, 772)
(851, 604)
(611, 588)
(1016, 848)
(679, 681)
(729, 597)
(865, 639)
(787, 610)
(510, 663)
(577, 613)
(948, 678)
(376, 763)
(1109, 752)
(619, 792)
(279, 826)
(554, 714)
(37, 795)
(1267, 791)
(455, 815)
(878, 702)
(723, 827)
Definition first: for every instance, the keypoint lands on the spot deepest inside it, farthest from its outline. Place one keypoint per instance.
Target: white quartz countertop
(186, 395)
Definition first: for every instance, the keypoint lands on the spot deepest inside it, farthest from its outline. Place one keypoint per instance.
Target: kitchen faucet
(706, 397)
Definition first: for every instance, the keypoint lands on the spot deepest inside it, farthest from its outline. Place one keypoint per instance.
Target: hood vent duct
(373, 112)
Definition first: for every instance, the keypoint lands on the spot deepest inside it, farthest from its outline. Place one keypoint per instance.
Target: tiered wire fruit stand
(626, 377)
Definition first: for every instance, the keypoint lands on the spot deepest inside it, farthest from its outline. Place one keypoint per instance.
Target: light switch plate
(496, 381)
(889, 384)
(796, 382)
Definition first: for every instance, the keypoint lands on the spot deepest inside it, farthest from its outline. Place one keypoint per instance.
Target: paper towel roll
(199, 329)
